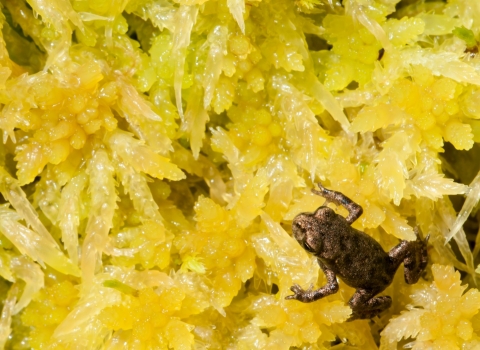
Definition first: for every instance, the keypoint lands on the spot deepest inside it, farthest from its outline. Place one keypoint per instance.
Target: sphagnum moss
(155, 153)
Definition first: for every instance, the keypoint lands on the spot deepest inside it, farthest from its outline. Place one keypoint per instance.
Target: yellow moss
(459, 134)
(167, 147)
(47, 311)
(444, 317)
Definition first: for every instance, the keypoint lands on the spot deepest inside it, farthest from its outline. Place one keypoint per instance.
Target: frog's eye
(324, 213)
(328, 212)
(308, 247)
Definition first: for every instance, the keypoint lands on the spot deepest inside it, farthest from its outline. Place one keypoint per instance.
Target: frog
(352, 255)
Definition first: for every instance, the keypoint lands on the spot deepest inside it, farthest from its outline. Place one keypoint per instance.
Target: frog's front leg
(354, 209)
(413, 255)
(308, 296)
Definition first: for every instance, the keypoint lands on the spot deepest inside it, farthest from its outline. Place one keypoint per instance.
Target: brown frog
(354, 256)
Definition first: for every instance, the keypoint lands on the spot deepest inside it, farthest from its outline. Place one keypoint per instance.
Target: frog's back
(358, 259)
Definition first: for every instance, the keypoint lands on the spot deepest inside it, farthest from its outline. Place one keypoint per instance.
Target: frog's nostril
(298, 232)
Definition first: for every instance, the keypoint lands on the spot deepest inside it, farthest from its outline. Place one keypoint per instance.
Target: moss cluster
(155, 153)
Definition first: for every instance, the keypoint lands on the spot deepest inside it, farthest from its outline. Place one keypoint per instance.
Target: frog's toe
(296, 288)
(322, 191)
(298, 292)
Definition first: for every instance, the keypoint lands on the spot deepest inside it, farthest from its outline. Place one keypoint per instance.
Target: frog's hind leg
(413, 255)
(416, 260)
(365, 305)
(354, 209)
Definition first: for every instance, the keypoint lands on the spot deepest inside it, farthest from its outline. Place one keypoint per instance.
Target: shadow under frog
(355, 257)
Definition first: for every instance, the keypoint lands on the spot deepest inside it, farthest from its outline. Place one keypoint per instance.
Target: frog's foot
(364, 305)
(310, 295)
(413, 255)
(305, 296)
(338, 198)
(416, 259)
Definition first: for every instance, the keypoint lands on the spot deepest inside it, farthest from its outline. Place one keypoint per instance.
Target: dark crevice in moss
(463, 166)
(21, 48)
(315, 43)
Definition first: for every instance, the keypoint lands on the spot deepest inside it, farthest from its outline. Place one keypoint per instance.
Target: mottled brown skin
(355, 257)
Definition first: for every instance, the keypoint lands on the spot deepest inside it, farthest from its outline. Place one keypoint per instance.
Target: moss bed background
(155, 153)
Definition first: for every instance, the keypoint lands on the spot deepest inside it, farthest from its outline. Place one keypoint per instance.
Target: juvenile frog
(355, 257)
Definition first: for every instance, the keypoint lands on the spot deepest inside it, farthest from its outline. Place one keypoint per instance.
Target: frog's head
(306, 228)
